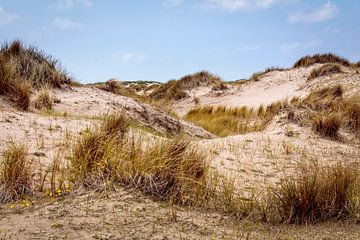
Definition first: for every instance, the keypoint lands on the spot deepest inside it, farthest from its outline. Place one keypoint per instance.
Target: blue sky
(165, 39)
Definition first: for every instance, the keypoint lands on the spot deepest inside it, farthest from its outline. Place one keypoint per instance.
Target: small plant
(44, 100)
(327, 125)
(352, 112)
(15, 174)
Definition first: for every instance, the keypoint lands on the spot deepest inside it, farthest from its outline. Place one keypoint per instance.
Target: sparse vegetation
(15, 174)
(324, 98)
(23, 68)
(175, 89)
(256, 76)
(321, 58)
(325, 70)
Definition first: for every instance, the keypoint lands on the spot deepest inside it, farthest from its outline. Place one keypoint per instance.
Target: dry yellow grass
(318, 194)
(327, 124)
(15, 174)
(44, 100)
(224, 121)
(23, 68)
(328, 111)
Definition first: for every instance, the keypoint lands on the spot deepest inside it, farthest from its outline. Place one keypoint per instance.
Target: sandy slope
(271, 87)
(256, 161)
(126, 215)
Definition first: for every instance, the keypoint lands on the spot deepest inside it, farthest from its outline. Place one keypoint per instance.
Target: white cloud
(65, 24)
(172, 3)
(6, 18)
(248, 48)
(238, 5)
(131, 57)
(295, 46)
(61, 5)
(323, 13)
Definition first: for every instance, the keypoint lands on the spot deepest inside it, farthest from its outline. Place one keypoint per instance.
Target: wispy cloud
(131, 57)
(6, 18)
(295, 46)
(61, 5)
(323, 13)
(248, 48)
(239, 5)
(172, 3)
(65, 24)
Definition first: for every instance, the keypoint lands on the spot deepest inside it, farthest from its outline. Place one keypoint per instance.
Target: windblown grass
(15, 174)
(328, 111)
(175, 89)
(321, 58)
(318, 194)
(23, 68)
(224, 121)
(170, 170)
(327, 125)
(324, 98)
(325, 70)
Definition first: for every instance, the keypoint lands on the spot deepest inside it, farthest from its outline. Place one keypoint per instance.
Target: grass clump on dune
(318, 194)
(321, 58)
(325, 70)
(25, 68)
(256, 76)
(15, 174)
(12, 85)
(327, 125)
(44, 100)
(324, 98)
(94, 156)
(170, 170)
